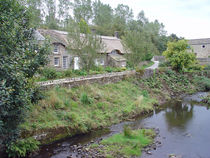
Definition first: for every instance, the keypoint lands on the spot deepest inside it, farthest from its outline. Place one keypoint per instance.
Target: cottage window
(56, 61)
(65, 62)
(56, 48)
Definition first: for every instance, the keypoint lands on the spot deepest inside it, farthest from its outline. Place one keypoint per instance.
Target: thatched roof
(199, 41)
(117, 57)
(110, 43)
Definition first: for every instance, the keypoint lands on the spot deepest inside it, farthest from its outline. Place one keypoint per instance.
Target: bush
(21, 147)
(148, 56)
(207, 67)
(127, 131)
(164, 64)
(68, 73)
(85, 99)
(109, 69)
(203, 83)
(178, 55)
(49, 73)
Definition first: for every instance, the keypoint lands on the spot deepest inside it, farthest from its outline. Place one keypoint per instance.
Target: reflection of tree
(178, 114)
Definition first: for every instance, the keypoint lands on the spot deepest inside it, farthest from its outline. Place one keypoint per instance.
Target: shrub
(203, 83)
(80, 72)
(207, 67)
(85, 99)
(49, 73)
(68, 73)
(148, 56)
(164, 64)
(21, 147)
(109, 69)
(127, 131)
(178, 55)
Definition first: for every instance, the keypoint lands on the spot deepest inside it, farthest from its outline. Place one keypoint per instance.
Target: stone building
(201, 47)
(61, 58)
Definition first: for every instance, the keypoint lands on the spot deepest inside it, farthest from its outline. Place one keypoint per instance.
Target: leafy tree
(20, 58)
(63, 12)
(35, 9)
(103, 13)
(122, 16)
(82, 10)
(84, 44)
(140, 47)
(179, 56)
(51, 21)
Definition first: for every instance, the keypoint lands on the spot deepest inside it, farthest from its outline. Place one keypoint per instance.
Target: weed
(85, 99)
(21, 147)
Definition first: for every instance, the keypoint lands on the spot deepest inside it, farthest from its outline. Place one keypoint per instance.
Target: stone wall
(204, 61)
(74, 82)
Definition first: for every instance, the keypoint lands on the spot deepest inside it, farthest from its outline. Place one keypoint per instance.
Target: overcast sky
(186, 18)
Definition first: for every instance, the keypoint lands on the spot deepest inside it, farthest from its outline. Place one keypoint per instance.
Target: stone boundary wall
(204, 61)
(100, 78)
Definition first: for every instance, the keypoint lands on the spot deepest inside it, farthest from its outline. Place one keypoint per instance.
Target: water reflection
(178, 114)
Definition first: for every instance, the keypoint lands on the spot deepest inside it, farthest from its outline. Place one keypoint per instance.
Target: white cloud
(186, 18)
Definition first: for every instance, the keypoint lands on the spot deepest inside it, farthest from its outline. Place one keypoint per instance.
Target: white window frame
(66, 62)
(56, 49)
(56, 63)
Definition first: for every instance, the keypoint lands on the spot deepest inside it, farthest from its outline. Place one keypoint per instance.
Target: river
(184, 127)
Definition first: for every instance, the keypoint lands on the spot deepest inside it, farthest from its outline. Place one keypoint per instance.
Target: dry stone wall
(100, 78)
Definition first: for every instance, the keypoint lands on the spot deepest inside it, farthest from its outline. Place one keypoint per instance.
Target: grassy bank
(82, 109)
(65, 112)
(126, 144)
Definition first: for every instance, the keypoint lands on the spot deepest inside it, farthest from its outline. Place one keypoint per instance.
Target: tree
(84, 44)
(63, 12)
(140, 47)
(35, 9)
(20, 58)
(122, 16)
(103, 14)
(51, 21)
(179, 56)
(82, 10)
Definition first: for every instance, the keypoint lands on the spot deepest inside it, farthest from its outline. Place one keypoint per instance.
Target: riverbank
(67, 112)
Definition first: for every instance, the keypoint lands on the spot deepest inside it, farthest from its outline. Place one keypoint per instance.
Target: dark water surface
(184, 131)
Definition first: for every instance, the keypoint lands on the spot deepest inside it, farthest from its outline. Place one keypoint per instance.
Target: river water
(184, 127)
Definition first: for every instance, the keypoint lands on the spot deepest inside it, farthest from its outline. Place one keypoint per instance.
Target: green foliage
(85, 99)
(20, 58)
(127, 131)
(206, 99)
(168, 81)
(86, 46)
(139, 46)
(49, 73)
(202, 82)
(120, 145)
(22, 147)
(179, 57)
(100, 106)
(207, 67)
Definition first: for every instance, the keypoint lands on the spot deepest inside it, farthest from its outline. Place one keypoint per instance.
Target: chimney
(116, 34)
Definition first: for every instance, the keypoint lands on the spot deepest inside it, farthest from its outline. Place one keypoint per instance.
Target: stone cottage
(201, 47)
(60, 58)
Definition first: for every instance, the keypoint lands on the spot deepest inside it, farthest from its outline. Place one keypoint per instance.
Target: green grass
(150, 63)
(87, 107)
(121, 145)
